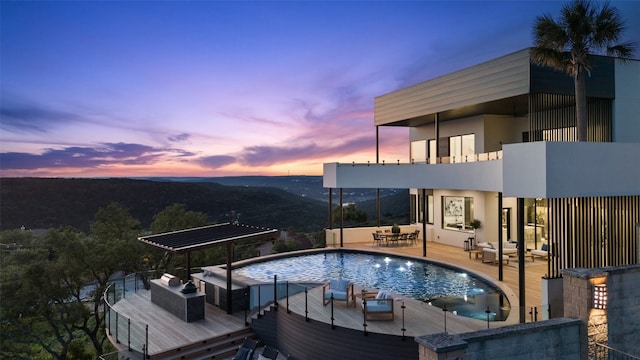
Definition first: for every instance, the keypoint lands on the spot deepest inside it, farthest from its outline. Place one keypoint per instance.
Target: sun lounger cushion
(379, 306)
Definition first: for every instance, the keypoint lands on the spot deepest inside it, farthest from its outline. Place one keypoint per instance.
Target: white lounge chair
(340, 290)
(543, 252)
(374, 304)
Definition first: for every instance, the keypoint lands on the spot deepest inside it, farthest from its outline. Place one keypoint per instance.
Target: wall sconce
(600, 296)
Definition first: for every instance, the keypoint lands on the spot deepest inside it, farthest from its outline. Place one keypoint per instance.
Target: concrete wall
(619, 324)
(552, 339)
(626, 105)
(624, 309)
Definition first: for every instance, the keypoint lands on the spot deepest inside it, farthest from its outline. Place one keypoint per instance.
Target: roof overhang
(183, 241)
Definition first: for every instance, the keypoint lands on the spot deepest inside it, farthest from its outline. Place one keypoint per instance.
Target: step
(214, 348)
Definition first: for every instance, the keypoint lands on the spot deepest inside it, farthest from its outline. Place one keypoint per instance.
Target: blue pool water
(459, 291)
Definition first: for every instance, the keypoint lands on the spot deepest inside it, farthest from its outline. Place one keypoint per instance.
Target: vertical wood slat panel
(593, 232)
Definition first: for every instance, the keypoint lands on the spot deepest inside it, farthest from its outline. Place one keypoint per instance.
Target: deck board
(167, 331)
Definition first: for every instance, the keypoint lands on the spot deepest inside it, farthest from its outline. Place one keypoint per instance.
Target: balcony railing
(488, 156)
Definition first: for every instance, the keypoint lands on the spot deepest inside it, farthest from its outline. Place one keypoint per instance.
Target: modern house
(496, 142)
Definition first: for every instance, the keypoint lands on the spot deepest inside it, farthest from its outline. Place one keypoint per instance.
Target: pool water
(441, 286)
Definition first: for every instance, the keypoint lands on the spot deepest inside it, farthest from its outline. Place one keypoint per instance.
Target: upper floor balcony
(528, 170)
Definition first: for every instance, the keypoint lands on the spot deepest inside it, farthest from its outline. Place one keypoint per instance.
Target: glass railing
(298, 298)
(123, 330)
(488, 156)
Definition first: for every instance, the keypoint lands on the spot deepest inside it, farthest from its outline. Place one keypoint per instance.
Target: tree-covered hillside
(52, 202)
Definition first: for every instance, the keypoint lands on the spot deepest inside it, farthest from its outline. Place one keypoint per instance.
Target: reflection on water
(461, 292)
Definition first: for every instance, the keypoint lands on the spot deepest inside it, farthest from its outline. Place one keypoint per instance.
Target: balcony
(481, 172)
(526, 170)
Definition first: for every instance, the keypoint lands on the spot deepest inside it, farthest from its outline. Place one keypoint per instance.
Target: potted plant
(475, 224)
(395, 229)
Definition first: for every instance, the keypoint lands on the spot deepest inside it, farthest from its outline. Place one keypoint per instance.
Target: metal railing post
(275, 292)
(259, 302)
(444, 310)
(332, 325)
(288, 311)
(487, 312)
(306, 304)
(364, 315)
(117, 339)
(403, 328)
(146, 340)
(129, 333)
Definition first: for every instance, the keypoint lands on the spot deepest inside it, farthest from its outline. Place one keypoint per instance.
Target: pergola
(188, 240)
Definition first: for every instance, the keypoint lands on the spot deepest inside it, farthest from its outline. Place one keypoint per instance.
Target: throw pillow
(544, 247)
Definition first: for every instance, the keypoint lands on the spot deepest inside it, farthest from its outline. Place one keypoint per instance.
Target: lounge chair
(374, 304)
(543, 252)
(268, 353)
(340, 289)
(490, 255)
(246, 350)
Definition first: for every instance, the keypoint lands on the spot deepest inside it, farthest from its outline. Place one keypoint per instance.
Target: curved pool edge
(512, 318)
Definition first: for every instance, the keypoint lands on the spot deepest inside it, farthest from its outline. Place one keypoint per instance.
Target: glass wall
(417, 206)
(535, 229)
(462, 148)
(419, 151)
(432, 151)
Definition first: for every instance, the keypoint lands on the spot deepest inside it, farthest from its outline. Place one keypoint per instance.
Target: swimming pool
(462, 292)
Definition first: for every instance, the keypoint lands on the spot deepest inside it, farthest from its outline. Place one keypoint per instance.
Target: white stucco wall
(626, 106)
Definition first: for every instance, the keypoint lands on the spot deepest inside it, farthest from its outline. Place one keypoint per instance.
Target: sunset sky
(213, 88)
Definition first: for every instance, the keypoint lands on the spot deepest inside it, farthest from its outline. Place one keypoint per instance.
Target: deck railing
(124, 330)
(270, 296)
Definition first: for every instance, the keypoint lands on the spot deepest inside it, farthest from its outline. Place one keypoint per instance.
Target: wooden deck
(418, 318)
(168, 332)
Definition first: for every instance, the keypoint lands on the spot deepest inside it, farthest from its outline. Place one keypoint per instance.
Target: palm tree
(581, 29)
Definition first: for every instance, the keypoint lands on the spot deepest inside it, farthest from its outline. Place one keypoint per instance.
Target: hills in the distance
(305, 186)
(275, 202)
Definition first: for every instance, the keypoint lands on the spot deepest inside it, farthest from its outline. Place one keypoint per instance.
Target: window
(462, 148)
(417, 213)
(457, 213)
(419, 151)
(432, 152)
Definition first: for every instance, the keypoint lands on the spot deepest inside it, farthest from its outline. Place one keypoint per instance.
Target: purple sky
(212, 88)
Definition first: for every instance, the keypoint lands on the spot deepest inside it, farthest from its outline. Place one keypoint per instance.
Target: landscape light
(600, 296)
